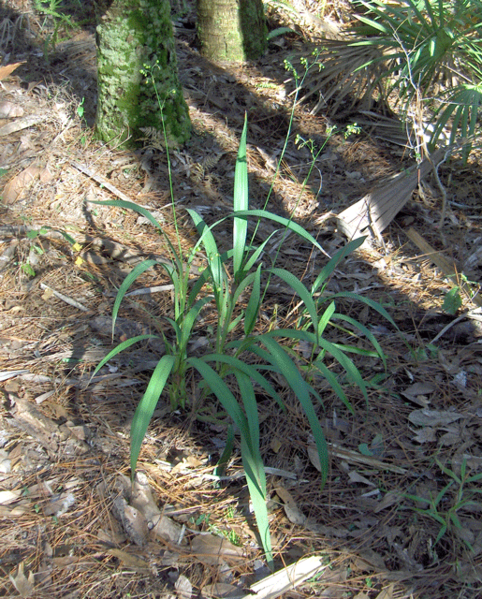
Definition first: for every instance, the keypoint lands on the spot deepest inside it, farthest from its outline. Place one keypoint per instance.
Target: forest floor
(399, 515)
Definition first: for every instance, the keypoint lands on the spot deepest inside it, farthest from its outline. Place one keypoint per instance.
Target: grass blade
(302, 391)
(147, 405)
(129, 206)
(289, 224)
(136, 272)
(254, 469)
(252, 309)
(368, 334)
(302, 292)
(369, 302)
(240, 225)
(120, 348)
(223, 393)
(329, 268)
(325, 319)
(334, 384)
(215, 264)
(247, 369)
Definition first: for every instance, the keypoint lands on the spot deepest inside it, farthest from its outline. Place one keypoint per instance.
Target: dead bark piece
(374, 212)
(134, 523)
(35, 424)
(287, 579)
(46, 431)
(23, 123)
(211, 549)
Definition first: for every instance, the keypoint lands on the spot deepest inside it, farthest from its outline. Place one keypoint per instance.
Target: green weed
(243, 359)
(445, 507)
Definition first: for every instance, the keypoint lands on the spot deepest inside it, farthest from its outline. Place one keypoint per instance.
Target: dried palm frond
(349, 75)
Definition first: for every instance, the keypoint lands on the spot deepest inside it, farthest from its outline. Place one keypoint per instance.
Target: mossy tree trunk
(135, 47)
(231, 30)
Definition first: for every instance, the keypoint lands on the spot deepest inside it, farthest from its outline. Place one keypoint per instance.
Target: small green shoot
(445, 507)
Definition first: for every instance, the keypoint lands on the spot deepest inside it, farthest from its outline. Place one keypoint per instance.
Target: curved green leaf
(325, 319)
(249, 370)
(223, 393)
(298, 287)
(289, 224)
(369, 302)
(147, 405)
(330, 267)
(252, 309)
(368, 334)
(240, 225)
(215, 263)
(129, 206)
(126, 283)
(120, 348)
(334, 384)
(302, 391)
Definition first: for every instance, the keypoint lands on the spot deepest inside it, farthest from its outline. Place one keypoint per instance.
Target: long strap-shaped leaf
(240, 225)
(126, 283)
(120, 348)
(147, 405)
(288, 369)
(289, 224)
(250, 454)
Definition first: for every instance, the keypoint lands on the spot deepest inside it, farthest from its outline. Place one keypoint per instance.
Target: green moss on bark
(135, 38)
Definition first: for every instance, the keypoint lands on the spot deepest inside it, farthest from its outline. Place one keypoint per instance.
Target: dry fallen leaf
(129, 560)
(292, 511)
(18, 184)
(133, 522)
(433, 418)
(9, 110)
(391, 498)
(425, 435)
(9, 496)
(210, 549)
(286, 579)
(387, 592)
(417, 393)
(183, 587)
(23, 584)
(221, 590)
(6, 70)
(142, 499)
(358, 478)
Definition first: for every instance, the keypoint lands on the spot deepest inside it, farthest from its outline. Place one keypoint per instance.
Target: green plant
(243, 361)
(423, 55)
(52, 10)
(431, 54)
(445, 507)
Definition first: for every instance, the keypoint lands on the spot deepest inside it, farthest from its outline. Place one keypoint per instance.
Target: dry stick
(65, 298)
(472, 314)
(101, 181)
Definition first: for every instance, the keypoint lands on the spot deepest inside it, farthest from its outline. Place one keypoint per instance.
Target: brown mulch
(67, 516)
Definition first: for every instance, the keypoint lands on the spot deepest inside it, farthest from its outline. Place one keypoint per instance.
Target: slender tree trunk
(136, 50)
(231, 30)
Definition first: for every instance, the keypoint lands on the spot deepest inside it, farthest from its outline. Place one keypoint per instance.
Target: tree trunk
(138, 85)
(231, 30)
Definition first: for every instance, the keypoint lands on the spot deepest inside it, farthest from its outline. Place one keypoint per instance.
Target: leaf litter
(72, 524)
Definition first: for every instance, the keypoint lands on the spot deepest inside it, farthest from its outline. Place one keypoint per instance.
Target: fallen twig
(65, 298)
